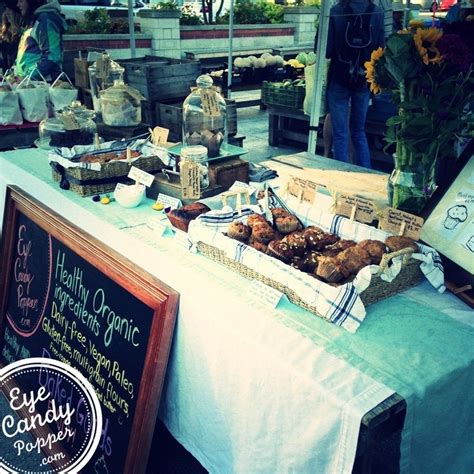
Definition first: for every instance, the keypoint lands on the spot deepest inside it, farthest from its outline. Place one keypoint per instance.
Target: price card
(69, 121)
(401, 223)
(141, 176)
(357, 208)
(162, 226)
(190, 178)
(302, 189)
(209, 103)
(159, 135)
(265, 294)
(240, 185)
(168, 201)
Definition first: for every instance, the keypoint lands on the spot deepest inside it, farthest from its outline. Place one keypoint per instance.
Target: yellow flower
(425, 41)
(370, 70)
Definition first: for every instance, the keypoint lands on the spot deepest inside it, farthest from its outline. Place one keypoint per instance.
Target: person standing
(10, 29)
(41, 45)
(356, 28)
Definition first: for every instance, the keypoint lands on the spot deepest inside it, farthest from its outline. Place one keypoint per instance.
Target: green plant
(98, 21)
(249, 12)
(189, 16)
(166, 5)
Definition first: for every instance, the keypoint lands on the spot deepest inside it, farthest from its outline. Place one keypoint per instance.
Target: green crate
(290, 96)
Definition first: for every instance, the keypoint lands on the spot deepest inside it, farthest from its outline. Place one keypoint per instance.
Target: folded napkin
(259, 173)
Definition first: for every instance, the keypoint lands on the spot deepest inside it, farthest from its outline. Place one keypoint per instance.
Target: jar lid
(204, 81)
(194, 152)
(55, 124)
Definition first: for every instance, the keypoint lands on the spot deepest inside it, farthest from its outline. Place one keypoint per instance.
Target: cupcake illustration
(470, 244)
(454, 216)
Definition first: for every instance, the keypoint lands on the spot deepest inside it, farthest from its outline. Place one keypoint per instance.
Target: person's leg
(327, 135)
(359, 105)
(338, 103)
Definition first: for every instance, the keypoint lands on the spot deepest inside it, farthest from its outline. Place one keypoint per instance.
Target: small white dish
(130, 196)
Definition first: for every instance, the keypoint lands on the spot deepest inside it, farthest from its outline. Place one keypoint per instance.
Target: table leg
(273, 126)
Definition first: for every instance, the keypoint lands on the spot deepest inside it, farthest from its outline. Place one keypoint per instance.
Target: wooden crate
(159, 78)
(170, 116)
(81, 73)
(226, 172)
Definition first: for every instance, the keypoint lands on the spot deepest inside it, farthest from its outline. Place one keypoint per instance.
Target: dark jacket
(41, 46)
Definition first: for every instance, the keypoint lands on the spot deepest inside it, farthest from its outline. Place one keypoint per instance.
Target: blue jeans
(338, 98)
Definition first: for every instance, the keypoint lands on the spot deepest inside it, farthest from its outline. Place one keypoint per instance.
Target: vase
(412, 181)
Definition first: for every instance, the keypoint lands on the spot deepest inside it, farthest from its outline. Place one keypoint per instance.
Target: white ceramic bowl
(130, 196)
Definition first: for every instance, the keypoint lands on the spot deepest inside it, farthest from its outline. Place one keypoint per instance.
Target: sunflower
(370, 70)
(425, 41)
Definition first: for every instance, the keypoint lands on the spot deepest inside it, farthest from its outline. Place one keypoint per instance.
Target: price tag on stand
(209, 103)
(140, 176)
(190, 177)
(265, 294)
(303, 190)
(168, 201)
(356, 208)
(69, 121)
(159, 135)
(399, 222)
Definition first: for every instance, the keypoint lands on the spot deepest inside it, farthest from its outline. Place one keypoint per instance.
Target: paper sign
(209, 103)
(69, 121)
(398, 222)
(168, 201)
(120, 186)
(265, 294)
(190, 178)
(102, 67)
(356, 208)
(141, 176)
(240, 185)
(159, 135)
(162, 226)
(302, 189)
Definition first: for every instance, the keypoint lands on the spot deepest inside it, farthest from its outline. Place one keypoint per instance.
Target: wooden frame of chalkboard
(117, 284)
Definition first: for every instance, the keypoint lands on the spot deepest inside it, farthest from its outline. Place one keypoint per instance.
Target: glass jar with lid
(59, 132)
(205, 117)
(197, 154)
(102, 74)
(121, 105)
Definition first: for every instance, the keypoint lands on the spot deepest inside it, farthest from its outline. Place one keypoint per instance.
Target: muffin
(262, 233)
(238, 231)
(336, 248)
(318, 241)
(279, 212)
(331, 269)
(280, 250)
(354, 259)
(297, 243)
(395, 243)
(254, 219)
(375, 248)
(287, 224)
(310, 261)
(297, 262)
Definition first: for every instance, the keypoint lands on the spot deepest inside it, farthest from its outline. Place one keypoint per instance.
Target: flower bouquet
(430, 75)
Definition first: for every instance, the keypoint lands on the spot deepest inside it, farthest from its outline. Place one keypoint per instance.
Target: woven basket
(87, 182)
(409, 276)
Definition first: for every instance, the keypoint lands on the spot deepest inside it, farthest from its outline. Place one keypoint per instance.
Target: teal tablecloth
(418, 343)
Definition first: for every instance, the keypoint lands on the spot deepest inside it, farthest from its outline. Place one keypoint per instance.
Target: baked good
(254, 219)
(297, 262)
(262, 232)
(238, 231)
(333, 249)
(259, 246)
(354, 258)
(279, 212)
(375, 248)
(280, 250)
(331, 269)
(454, 216)
(297, 243)
(396, 242)
(310, 261)
(180, 218)
(286, 224)
(319, 240)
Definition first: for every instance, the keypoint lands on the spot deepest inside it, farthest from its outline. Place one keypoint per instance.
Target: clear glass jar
(54, 133)
(103, 77)
(197, 154)
(121, 105)
(206, 125)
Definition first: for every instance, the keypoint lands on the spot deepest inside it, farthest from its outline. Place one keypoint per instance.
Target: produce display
(266, 59)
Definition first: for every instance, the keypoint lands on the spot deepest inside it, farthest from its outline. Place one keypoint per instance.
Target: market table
(253, 389)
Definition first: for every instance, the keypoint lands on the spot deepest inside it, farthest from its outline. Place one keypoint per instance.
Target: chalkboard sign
(65, 295)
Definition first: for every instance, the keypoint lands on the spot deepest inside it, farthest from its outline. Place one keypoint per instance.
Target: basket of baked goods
(330, 265)
(95, 169)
